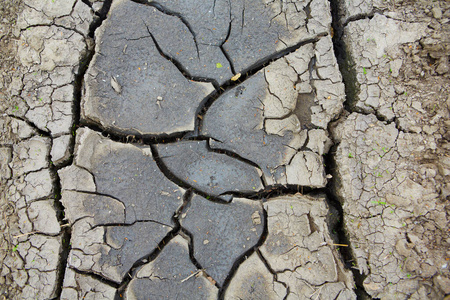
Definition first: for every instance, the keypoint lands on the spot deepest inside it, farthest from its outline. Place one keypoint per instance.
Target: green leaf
(15, 248)
(219, 65)
(364, 71)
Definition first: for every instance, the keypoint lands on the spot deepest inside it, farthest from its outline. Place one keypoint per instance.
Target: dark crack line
(144, 260)
(65, 230)
(230, 61)
(168, 12)
(231, 154)
(180, 66)
(190, 238)
(97, 193)
(352, 89)
(243, 16)
(272, 271)
(346, 67)
(129, 138)
(39, 131)
(118, 224)
(154, 254)
(279, 190)
(358, 17)
(55, 25)
(96, 277)
(66, 235)
(179, 182)
(229, 85)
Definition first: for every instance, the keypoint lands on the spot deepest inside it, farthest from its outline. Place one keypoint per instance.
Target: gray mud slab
(241, 34)
(210, 172)
(129, 174)
(191, 34)
(111, 251)
(130, 86)
(248, 139)
(52, 56)
(30, 155)
(254, 281)
(74, 178)
(171, 275)
(222, 233)
(13, 130)
(271, 143)
(261, 29)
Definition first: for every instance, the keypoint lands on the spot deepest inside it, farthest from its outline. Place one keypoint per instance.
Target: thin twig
(25, 234)
(33, 232)
(193, 274)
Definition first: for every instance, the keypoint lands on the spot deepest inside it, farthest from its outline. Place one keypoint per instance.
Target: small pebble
(437, 12)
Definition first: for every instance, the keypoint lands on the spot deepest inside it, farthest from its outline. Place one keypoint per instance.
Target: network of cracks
(184, 149)
(199, 160)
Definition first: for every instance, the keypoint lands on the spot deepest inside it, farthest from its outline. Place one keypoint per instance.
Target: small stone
(205, 242)
(395, 67)
(116, 86)
(443, 283)
(437, 12)
(443, 67)
(5, 159)
(399, 89)
(60, 149)
(256, 218)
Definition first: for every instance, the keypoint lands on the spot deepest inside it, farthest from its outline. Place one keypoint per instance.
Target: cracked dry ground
(201, 150)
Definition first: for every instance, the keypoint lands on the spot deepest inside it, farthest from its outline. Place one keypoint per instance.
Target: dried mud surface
(224, 149)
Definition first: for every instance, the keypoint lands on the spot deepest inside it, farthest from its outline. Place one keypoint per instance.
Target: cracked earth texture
(212, 149)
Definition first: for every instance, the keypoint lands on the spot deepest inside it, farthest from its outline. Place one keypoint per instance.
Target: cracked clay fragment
(112, 250)
(261, 29)
(254, 281)
(270, 144)
(182, 30)
(299, 245)
(171, 275)
(79, 286)
(229, 228)
(210, 172)
(128, 174)
(122, 86)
